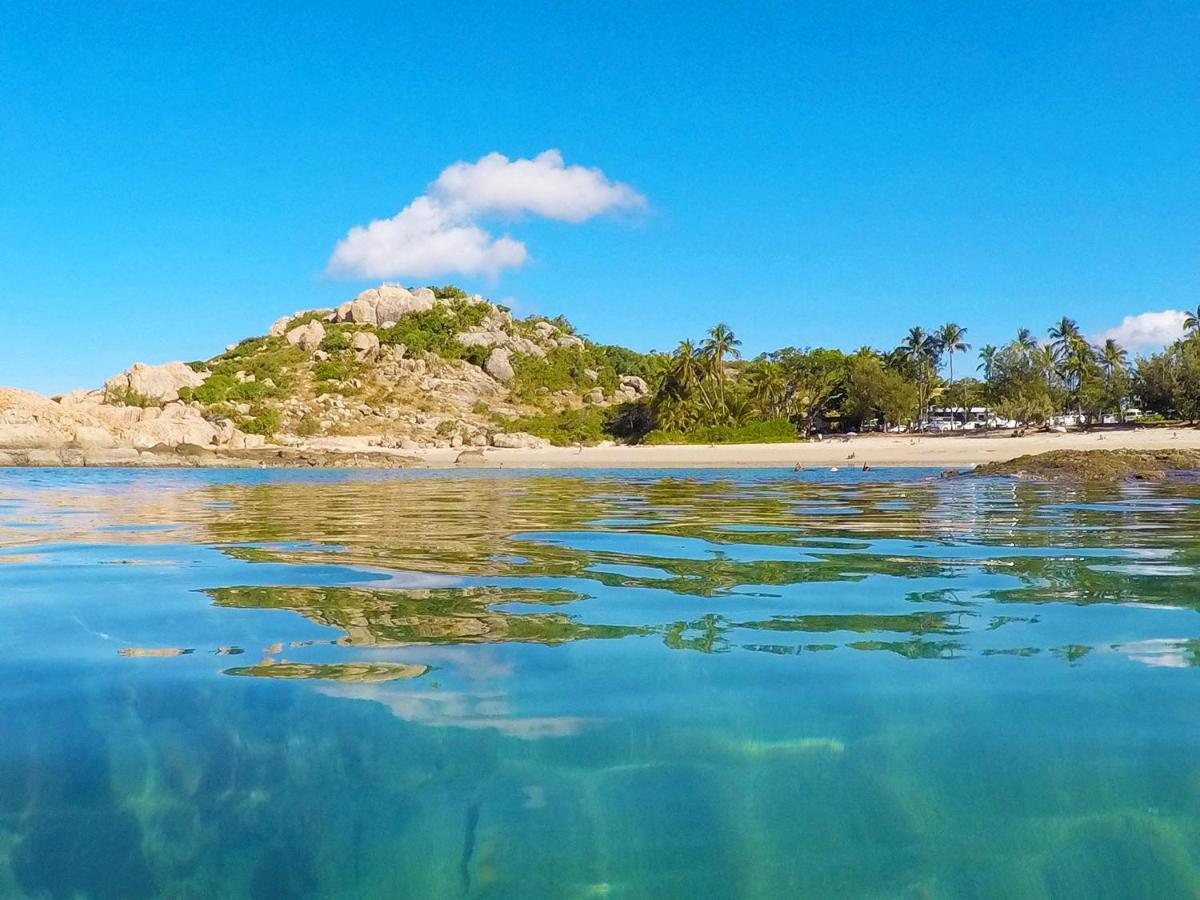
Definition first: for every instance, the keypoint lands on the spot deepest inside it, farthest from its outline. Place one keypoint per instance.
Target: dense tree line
(707, 385)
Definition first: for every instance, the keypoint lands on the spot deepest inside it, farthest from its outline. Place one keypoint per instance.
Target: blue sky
(173, 177)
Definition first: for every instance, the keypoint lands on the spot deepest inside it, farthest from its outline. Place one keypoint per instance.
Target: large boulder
(472, 457)
(498, 366)
(173, 431)
(386, 303)
(307, 337)
(31, 435)
(482, 338)
(91, 437)
(365, 345)
(161, 383)
(635, 385)
(279, 326)
(518, 440)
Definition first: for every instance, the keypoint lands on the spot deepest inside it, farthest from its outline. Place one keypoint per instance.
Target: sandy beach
(935, 451)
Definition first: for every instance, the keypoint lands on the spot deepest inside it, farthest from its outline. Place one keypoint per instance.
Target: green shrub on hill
(572, 426)
(225, 388)
(265, 421)
(129, 397)
(264, 358)
(337, 338)
(337, 370)
(561, 369)
(624, 361)
(433, 330)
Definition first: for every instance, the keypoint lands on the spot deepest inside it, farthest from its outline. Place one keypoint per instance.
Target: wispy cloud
(1146, 331)
(439, 232)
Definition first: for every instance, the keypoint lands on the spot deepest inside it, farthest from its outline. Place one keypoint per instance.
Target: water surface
(627, 684)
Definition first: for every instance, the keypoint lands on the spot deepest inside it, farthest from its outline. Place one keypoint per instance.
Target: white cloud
(423, 239)
(1148, 330)
(438, 232)
(543, 186)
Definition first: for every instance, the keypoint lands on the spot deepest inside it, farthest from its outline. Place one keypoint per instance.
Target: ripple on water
(687, 683)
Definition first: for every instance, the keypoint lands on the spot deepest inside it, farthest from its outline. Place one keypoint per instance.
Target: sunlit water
(683, 684)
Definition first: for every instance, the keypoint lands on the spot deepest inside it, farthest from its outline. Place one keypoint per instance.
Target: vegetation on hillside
(575, 391)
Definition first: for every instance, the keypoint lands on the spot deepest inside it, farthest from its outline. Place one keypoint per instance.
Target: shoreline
(873, 450)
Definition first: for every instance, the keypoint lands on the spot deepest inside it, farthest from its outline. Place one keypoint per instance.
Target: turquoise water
(626, 684)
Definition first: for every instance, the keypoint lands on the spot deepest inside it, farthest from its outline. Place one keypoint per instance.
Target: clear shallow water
(266, 684)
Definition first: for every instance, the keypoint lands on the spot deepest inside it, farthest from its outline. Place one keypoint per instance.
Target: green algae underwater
(624, 684)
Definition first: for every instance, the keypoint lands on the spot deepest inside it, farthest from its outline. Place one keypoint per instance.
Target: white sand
(936, 451)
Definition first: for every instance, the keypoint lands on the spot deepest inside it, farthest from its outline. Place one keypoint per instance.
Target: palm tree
(919, 346)
(768, 387)
(1081, 357)
(987, 361)
(1025, 340)
(950, 337)
(719, 344)
(1191, 322)
(1113, 357)
(921, 349)
(687, 367)
(1063, 336)
(1043, 357)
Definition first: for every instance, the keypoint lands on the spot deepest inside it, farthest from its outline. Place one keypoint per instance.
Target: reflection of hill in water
(446, 616)
(529, 726)
(358, 673)
(710, 556)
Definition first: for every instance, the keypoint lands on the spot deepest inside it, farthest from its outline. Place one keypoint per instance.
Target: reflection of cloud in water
(1167, 653)
(458, 709)
(1145, 569)
(470, 662)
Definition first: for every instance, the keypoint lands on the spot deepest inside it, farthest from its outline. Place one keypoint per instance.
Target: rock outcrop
(518, 440)
(467, 375)
(365, 345)
(307, 337)
(161, 383)
(498, 365)
(1098, 465)
(387, 303)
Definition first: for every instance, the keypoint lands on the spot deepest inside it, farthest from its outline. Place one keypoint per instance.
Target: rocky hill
(393, 368)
